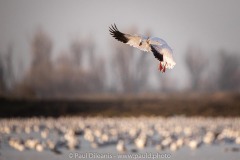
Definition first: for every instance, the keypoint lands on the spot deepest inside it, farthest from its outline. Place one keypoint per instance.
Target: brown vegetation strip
(164, 105)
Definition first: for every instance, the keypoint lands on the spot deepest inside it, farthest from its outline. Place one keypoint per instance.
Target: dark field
(217, 104)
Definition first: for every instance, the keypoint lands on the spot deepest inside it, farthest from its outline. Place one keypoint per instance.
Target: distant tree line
(221, 72)
(83, 70)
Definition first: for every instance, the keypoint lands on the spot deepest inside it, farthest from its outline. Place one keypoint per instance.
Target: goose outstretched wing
(137, 41)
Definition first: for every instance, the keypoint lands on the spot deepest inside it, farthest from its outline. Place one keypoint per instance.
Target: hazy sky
(211, 25)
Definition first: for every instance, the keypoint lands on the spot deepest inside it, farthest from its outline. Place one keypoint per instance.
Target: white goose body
(160, 49)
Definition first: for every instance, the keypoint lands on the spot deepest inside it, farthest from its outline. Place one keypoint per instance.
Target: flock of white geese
(159, 132)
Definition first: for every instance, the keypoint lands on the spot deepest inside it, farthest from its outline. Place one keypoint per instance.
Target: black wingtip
(156, 54)
(117, 34)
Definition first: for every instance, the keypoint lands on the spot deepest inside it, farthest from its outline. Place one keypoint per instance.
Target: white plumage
(160, 49)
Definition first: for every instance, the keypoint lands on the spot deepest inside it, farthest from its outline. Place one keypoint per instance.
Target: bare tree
(122, 68)
(6, 70)
(72, 78)
(2, 85)
(67, 77)
(38, 79)
(141, 72)
(229, 71)
(97, 72)
(9, 71)
(130, 69)
(41, 50)
(76, 48)
(196, 64)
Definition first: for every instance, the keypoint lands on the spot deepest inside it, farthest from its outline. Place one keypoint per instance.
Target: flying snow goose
(157, 46)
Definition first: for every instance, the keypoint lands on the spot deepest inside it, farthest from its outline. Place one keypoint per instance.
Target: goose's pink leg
(160, 67)
(164, 68)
